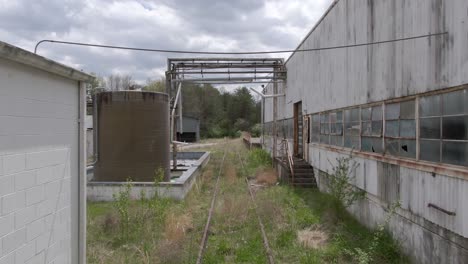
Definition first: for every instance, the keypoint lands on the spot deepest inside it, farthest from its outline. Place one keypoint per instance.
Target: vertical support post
(82, 175)
(275, 112)
(418, 132)
(263, 119)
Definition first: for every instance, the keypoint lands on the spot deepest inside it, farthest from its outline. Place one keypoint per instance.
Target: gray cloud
(241, 25)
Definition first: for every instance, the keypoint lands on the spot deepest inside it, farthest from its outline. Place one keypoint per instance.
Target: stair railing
(288, 156)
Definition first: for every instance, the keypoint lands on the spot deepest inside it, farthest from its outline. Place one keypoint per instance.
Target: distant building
(190, 129)
(42, 159)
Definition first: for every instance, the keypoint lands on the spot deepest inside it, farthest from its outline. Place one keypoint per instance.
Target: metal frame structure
(247, 70)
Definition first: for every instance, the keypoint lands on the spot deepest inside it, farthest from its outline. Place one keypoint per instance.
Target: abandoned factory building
(399, 107)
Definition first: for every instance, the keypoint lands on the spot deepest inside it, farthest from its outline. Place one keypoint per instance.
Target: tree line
(221, 113)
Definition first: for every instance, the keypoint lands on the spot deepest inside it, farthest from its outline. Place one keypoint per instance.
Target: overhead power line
(235, 53)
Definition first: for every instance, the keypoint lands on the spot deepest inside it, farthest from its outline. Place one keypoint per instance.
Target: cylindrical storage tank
(132, 136)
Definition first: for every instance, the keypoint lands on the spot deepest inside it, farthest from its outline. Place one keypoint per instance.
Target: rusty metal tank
(132, 136)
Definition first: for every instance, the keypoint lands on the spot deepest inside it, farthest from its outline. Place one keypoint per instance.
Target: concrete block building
(42, 159)
(401, 109)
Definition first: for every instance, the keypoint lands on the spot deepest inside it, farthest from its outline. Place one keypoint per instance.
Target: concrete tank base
(180, 185)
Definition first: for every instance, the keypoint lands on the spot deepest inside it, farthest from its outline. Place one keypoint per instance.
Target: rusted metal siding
(132, 136)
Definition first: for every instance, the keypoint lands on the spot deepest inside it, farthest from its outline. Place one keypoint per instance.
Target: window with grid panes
(315, 128)
(400, 129)
(325, 128)
(371, 129)
(352, 128)
(336, 128)
(443, 128)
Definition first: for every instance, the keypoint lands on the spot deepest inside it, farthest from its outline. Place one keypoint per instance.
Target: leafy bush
(339, 183)
(256, 130)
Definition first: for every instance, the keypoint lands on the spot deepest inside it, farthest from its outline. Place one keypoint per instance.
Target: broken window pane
(371, 144)
(430, 128)
(455, 103)
(430, 150)
(455, 127)
(408, 128)
(377, 113)
(333, 118)
(407, 110)
(392, 111)
(392, 146)
(392, 129)
(429, 106)
(366, 113)
(407, 148)
(377, 128)
(455, 153)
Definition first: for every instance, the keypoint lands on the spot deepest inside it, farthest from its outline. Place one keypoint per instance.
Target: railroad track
(266, 244)
(204, 240)
(210, 213)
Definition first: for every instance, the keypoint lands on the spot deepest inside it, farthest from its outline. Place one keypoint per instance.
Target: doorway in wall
(298, 130)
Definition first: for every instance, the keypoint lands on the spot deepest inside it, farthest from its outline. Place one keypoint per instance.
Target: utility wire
(234, 53)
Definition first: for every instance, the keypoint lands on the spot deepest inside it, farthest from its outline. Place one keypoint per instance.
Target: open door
(298, 131)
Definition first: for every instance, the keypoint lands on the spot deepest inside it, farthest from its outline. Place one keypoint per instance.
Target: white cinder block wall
(39, 165)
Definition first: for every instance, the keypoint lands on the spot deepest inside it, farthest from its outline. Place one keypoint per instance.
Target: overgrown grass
(166, 231)
(286, 211)
(256, 160)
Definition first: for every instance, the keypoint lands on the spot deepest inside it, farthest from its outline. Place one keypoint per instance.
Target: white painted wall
(39, 148)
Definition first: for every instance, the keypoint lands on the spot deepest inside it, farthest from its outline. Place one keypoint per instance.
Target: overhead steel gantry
(221, 71)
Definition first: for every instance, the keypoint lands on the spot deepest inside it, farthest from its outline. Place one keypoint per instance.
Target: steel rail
(266, 244)
(210, 214)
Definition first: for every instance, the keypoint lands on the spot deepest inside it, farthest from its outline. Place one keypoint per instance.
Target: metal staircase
(303, 174)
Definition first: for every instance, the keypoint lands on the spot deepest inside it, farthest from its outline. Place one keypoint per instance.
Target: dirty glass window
(352, 128)
(325, 128)
(336, 128)
(400, 129)
(315, 128)
(444, 128)
(371, 129)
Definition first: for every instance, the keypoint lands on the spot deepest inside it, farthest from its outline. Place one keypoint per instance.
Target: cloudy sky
(203, 25)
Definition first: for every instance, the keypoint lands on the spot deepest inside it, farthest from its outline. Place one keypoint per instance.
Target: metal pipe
(173, 132)
(244, 79)
(225, 72)
(225, 59)
(267, 96)
(237, 82)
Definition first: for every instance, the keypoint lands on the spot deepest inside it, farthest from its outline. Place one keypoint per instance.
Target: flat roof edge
(13, 53)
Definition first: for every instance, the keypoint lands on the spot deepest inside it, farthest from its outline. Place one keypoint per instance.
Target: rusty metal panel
(132, 135)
